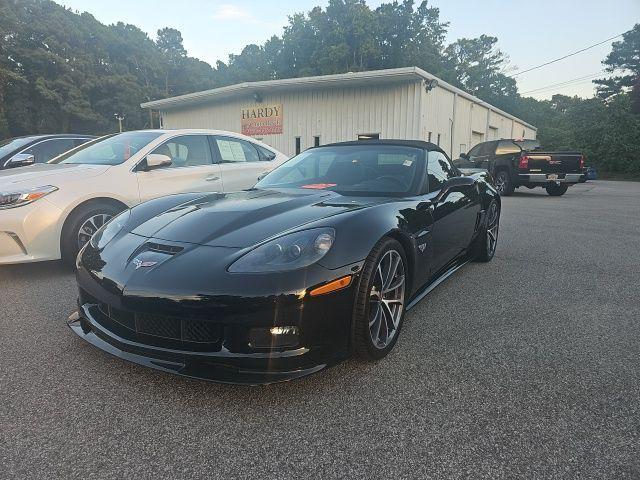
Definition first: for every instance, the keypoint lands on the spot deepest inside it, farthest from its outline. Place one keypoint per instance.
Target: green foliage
(60, 71)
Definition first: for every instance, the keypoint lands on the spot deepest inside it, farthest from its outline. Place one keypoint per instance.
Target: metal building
(296, 113)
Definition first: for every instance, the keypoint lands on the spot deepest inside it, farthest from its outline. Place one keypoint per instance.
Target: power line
(566, 56)
(566, 82)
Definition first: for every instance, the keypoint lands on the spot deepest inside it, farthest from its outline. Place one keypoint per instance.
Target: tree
(624, 60)
(475, 65)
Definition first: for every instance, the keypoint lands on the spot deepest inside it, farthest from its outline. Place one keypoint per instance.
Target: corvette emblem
(141, 264)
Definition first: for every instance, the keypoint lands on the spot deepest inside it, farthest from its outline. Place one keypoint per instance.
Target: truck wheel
(504, 185)
(557, 190)
(81, 225)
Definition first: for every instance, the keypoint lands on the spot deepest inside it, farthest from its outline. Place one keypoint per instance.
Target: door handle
(212, 178)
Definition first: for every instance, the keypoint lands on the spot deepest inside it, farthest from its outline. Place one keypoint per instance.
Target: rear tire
(89, 218)
(380, 300)
(504, 185)
(487, 239)
(557, 190)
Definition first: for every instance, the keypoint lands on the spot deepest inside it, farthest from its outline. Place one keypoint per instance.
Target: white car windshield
(111, 150)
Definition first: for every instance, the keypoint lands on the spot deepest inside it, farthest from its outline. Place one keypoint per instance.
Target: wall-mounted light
(430, 84)
(257, 97)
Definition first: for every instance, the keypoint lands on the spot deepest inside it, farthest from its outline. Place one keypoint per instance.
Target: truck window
(507, 147)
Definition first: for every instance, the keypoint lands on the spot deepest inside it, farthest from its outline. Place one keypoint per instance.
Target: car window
(507, 147)
(110, 149)
(234, 150)
(186, 151)
(370, 169)
(265, 153)
(48, 149)
(439, 170)
(11, 144)
(487, 148)
(474, 151)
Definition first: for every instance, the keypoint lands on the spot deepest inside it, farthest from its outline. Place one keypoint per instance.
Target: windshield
(109, 150)
(352, 169)
(10, 144)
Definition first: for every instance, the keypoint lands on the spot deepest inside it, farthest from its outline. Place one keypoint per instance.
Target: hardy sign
(262, 119)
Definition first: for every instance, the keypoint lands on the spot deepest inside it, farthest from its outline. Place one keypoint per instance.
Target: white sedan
(50, 211)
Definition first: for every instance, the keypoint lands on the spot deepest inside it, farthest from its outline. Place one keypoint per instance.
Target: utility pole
(120, 118)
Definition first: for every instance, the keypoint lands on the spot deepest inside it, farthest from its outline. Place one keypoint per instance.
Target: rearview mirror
(155, 161)
(21, 160)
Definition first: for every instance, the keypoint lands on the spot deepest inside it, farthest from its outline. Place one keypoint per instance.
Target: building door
(476, 138)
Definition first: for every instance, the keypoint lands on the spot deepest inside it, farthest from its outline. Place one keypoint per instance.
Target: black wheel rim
(493, 225)
(386, 299)
(91, 226)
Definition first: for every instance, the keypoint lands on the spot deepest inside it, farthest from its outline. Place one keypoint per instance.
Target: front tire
(504, 185)
(557, 190)
(380, 301)
(81, 225)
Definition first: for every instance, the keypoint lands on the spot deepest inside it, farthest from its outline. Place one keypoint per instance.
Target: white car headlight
(19, 198)
(109, 230)
(289, 252)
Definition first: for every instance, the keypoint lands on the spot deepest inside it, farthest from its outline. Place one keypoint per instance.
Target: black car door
(455, 214)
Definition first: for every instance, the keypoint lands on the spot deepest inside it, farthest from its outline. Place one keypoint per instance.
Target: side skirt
(428, 288)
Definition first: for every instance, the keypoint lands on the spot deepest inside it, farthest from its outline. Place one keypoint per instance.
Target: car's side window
(474, 152)
(507, 147)
(265, 154)
(49, 149)
(488, 149)
(234, 150)
(439, 170)
(186, 151)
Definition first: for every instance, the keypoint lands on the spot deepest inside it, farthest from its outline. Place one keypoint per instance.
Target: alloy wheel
(91, 226)
(386, 299)
(493, 224)
(501, 183)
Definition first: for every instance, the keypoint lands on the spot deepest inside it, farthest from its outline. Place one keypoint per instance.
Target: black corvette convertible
(319, 260)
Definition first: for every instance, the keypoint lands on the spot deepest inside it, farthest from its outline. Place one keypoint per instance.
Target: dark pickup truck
(521, 163)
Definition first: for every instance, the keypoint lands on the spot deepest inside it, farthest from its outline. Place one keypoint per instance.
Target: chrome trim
(16, 239)
(542, 178)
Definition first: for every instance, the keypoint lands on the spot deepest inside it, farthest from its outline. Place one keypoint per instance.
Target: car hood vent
(162, 248)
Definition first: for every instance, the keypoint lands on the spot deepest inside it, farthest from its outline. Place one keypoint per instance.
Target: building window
(368, 136)
(316, 141)
(438, 140)
(297, 145)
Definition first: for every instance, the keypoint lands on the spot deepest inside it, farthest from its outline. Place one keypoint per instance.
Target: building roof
(351, 79)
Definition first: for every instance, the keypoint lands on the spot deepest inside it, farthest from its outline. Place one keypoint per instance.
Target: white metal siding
(339, 114)
(403, 110)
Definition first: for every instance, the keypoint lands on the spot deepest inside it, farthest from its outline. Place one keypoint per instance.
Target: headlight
(289, 252)
(19, 198)
(109, 230)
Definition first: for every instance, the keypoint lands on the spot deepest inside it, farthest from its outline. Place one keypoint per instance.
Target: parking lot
(526, 366)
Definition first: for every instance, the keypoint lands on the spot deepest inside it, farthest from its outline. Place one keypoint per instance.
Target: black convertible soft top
(401, 143)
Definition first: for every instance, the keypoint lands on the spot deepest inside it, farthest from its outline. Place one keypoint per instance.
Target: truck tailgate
(554, 162)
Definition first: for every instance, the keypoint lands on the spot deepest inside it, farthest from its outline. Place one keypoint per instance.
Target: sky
(530, 33)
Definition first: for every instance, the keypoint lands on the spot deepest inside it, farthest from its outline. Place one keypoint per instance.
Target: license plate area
(552, 177)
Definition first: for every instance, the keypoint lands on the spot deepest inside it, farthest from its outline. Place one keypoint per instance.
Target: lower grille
(161, 326)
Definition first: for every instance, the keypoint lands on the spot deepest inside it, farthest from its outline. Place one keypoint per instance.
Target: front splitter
(212, 371)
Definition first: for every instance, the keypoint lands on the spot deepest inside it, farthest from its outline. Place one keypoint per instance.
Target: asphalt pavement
(527, 367)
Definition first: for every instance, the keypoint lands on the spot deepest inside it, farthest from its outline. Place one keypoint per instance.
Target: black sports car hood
(243, 219)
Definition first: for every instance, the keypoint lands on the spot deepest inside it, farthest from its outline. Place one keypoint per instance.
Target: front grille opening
(163, 248)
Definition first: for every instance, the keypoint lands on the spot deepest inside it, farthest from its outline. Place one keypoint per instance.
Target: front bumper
(543, 178)
(30, 233)
(157, 330)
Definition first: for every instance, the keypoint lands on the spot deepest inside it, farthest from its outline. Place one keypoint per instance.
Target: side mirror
(155, 161)
(455, 184)
(21, 160)
(464, 156)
